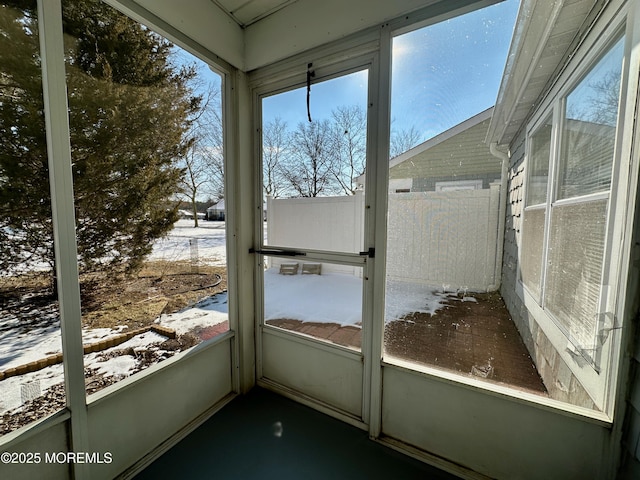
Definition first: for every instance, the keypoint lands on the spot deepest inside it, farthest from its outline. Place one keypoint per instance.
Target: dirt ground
(136, 301)
(472, 338)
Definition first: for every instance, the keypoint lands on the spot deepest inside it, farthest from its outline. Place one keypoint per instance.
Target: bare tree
(602, 104)
(403, 140)
(275, 138)
(349, 145)
(203, 163)
(309, 168)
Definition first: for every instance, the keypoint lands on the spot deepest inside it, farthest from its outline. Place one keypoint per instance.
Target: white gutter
(497, 275)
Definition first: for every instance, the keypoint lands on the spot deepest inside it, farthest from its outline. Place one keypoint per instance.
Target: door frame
(290, 75)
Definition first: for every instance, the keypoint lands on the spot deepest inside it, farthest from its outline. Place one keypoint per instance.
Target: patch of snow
(337, 298)
(23, 342)
(207, 242)
(327, 298)
(120, 366)
(208, 312)
(404, 298)
(12, 388)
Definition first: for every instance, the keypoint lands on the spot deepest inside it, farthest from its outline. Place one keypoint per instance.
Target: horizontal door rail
(278, 252)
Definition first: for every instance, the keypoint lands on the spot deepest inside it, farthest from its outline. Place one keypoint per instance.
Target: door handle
(371, 253)
(278, 251)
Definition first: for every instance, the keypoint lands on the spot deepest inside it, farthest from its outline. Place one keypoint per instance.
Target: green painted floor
(265, 436)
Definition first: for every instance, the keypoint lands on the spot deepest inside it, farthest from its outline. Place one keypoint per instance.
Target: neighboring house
(188, 215)
(457, 159)
(216, 211)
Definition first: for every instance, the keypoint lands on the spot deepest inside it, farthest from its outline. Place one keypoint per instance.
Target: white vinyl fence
(334, 224)
(444, 239)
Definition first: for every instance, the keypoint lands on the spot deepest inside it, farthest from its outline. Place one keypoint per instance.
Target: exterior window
(535, 210)
(147, 158)
(457, 185)
(570, 287)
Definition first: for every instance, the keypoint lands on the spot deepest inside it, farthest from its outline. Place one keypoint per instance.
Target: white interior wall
(330, 375)
(492, 434)
(135, 418)
(51, 435)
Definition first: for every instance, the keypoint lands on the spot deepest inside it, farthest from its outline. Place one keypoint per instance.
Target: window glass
(576, 248)
(577, 234)
(532, 249)
(443, 307)
(538, 165)
(320, 300)
(147, 156)
(31, 369)
(588, 132)
(533, 218)
(313, 167)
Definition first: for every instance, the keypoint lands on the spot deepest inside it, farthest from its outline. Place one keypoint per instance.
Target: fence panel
(334, 224)
(444, 239)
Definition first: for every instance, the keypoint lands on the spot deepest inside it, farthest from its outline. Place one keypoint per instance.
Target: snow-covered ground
(331, 298)
(205, 244)
(35, 334)
(337, 298)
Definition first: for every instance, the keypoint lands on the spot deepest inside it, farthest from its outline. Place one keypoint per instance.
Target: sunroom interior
(550, 237)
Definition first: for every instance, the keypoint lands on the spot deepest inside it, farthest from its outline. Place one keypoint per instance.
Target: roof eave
(545, 36)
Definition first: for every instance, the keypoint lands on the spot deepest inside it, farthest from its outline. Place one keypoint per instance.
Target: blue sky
(442, 75)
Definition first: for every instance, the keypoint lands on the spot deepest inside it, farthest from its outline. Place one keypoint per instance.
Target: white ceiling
(249, 34)
(246, 12)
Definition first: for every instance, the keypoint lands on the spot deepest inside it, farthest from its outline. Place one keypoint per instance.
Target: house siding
(560, 382)
(630, 464)
(429, 184)
(463, 156)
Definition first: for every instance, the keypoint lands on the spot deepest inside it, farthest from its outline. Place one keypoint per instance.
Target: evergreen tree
(129, 112)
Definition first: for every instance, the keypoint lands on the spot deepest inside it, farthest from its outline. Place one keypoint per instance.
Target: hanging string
(310, 73)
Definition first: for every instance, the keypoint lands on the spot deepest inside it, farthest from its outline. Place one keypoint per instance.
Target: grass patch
(114, 299)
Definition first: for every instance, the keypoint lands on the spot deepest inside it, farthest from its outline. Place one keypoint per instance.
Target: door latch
(371, 253)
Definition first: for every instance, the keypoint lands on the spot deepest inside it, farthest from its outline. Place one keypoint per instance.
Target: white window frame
(456, 185)
(400, 185)
(598, 382)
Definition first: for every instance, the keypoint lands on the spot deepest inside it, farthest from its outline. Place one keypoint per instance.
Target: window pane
(146, 140)
(322, 300)
(313, 171)
(31, 370)
(588, 133)
(443, 308)
(538, 165)
(574, 270)
(532, 249)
